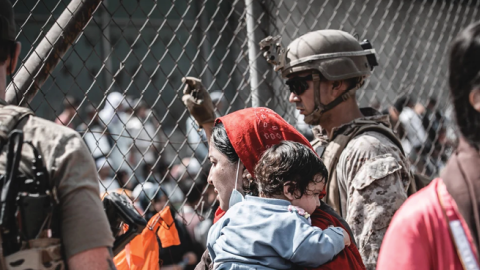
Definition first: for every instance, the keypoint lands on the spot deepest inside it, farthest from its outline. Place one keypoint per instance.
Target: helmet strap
(314, 117)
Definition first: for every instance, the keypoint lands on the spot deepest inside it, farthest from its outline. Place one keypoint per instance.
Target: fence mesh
(120, 83)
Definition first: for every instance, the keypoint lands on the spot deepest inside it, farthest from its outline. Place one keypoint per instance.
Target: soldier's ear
(338, 87)
(12, 63)
(474, 98)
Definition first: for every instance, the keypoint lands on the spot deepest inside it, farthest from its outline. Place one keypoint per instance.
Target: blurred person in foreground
(438, 228)
(82, 225)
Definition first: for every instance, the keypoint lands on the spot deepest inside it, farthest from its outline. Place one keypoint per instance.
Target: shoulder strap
(335, 148)
(10, 117)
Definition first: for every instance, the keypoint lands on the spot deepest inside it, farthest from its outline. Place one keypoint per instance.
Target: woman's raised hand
(198, 101)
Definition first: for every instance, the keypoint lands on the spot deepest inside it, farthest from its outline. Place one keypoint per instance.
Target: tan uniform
(373, 177)
(84, 224)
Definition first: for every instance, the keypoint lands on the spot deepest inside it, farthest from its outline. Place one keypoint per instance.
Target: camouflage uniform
(374, 175)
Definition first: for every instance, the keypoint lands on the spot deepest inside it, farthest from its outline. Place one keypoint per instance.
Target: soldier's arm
(97, 258)
(376, 177)
(85, 230)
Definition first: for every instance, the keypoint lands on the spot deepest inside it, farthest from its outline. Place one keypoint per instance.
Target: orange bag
(142, 251)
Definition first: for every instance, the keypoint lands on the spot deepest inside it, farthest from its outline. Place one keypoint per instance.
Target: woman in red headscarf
(243, 136)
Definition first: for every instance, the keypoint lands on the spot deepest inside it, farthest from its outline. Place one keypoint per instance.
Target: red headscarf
(251, 131)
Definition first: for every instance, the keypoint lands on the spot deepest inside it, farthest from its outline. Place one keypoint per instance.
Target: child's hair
(288, 162)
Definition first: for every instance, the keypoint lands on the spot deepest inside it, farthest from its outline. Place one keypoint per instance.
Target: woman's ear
(289, 191)
(474, 98)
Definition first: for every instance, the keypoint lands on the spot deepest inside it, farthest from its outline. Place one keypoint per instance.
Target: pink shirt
(63, 120)
(418, 236)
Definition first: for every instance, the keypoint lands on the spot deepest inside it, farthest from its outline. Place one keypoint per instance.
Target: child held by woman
(273, 231)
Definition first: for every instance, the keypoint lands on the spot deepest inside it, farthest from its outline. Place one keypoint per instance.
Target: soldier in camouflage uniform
(369, 175)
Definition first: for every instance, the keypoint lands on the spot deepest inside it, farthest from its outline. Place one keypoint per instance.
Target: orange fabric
(167, 233)
(142, 252)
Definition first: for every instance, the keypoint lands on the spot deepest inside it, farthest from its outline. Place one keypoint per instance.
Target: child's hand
(346, 238)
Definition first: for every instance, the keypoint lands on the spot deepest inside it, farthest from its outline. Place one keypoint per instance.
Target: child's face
(310, 199)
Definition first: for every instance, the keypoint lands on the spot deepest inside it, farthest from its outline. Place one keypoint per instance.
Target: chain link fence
(120, 83)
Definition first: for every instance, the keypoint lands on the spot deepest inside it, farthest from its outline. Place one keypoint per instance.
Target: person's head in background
(291, 171)
(464, 81)
(402, 102)
(9, 48)
(432, 104)
(151, 199)
(70, 105)
(104, 169)
(140, 109)
(91, 113)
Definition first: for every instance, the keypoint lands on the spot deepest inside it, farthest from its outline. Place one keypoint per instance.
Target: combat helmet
(334, 54)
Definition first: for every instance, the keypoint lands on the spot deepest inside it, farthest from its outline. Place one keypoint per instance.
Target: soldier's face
(303, 99)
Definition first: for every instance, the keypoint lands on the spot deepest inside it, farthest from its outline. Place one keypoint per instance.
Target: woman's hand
(346, 238)
(198, 102)
(248, 183)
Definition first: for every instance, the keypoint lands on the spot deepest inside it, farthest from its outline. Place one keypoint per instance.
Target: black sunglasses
(298, 85)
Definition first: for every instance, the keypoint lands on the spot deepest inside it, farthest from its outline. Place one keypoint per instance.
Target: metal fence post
(258, 67)
(30, 77)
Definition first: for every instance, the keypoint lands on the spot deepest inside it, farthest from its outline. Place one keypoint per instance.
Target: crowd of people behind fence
(124, 140)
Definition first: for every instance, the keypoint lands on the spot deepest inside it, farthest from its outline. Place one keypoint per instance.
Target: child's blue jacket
(261, 233)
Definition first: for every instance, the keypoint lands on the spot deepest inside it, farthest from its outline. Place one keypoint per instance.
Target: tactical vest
(330, 154)
(43, 252)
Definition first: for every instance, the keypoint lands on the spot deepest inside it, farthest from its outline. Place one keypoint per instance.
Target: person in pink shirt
(439, 226)
(70, 105)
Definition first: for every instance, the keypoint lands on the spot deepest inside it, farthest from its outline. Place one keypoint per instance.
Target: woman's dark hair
(222, 143)
(288, 162)
(463, 78)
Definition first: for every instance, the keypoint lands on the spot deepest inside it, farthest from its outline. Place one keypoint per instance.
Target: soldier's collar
(369, 115)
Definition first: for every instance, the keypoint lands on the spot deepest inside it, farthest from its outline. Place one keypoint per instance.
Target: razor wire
(119, 85)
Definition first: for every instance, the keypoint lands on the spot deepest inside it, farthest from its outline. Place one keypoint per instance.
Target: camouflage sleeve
(375, 176)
